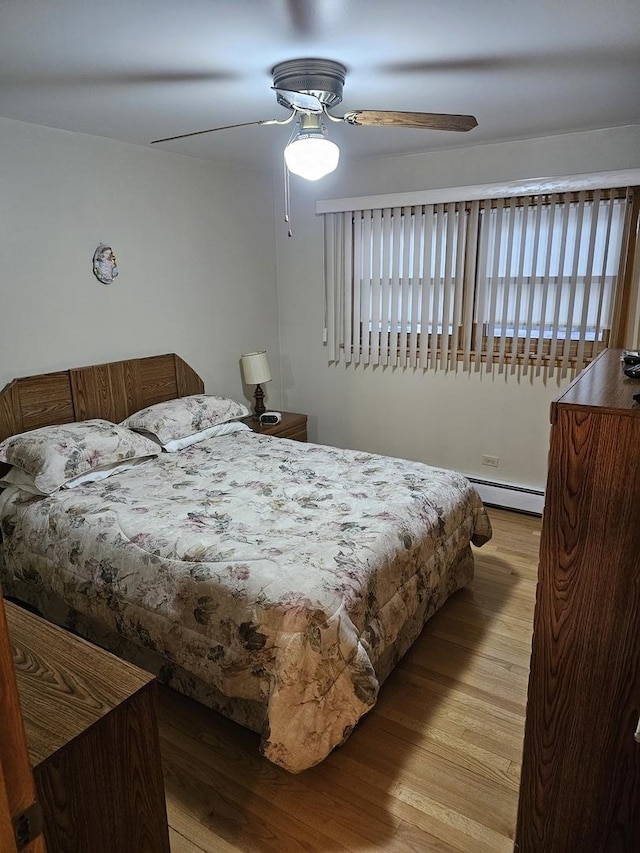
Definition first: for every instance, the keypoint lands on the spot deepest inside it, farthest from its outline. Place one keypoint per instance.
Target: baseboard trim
(509, 496)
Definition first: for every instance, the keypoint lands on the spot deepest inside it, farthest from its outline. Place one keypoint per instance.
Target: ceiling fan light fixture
(311, 157)
(310, 153)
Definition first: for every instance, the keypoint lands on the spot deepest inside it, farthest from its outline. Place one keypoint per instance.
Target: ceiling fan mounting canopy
(321, 78)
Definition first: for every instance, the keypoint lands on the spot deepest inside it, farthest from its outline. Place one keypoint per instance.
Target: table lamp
(255, 371)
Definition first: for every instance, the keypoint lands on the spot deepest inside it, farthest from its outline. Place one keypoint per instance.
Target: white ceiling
(137, 70)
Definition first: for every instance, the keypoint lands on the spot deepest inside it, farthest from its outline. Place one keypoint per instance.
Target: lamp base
(259, 407)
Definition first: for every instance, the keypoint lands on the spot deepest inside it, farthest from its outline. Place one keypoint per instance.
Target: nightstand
(293, 425)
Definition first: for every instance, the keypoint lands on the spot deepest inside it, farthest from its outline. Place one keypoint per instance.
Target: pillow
(53, 455)
(26, 482)
(20, 478)
(185, 416)
(214, 431)
(103, 472)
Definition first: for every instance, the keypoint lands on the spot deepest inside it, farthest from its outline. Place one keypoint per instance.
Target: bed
(274, 581)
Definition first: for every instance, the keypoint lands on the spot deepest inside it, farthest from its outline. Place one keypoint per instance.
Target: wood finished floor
(433, 767)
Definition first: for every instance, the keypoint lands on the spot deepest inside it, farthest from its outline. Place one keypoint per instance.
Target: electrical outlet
(492, 461)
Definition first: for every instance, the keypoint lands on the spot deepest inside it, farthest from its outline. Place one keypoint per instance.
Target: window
(527, 280)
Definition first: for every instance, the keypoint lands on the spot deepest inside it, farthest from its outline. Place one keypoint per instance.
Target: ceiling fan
(309, 88)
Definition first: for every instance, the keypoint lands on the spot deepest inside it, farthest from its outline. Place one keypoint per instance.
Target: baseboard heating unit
(509, 496)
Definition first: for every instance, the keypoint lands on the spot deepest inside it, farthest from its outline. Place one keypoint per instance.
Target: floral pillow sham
(26, 482)
(186, 416)
(53, 455)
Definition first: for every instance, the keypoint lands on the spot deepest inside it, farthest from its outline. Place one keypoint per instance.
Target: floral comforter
(263, 574)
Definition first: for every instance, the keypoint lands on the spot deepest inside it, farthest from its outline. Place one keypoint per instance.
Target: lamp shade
(255, 367)
(311, 156)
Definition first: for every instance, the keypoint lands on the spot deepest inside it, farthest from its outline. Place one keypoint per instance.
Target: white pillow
(212, 432)
(102, 473)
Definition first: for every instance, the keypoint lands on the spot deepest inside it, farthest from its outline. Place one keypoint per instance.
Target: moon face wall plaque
(105, 265)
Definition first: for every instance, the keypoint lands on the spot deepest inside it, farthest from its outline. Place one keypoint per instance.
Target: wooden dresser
(580, 784)
(92, 738)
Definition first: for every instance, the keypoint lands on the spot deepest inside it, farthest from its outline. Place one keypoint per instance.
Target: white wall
(443, 419)
(195, 248)
(196, 244)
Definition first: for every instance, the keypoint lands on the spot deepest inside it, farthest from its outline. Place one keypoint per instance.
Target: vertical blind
(526, 280)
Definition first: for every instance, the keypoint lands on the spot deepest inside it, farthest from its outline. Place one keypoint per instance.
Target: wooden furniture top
(111, 391)
(65, 683)
(17, 788)
(602, 385)
(291, 424)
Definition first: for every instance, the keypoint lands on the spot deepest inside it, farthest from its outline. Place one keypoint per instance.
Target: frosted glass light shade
(311, 156)
(255, 367)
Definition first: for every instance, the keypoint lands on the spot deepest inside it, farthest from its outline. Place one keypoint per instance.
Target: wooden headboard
(111, 391)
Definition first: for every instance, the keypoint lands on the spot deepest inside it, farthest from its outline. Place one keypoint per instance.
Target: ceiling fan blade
(303, 16)
(427, 121)
(226, 127)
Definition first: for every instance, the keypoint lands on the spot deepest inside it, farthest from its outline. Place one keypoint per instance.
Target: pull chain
(287, 200)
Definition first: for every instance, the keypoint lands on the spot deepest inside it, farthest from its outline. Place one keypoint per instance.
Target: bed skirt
(250, 714)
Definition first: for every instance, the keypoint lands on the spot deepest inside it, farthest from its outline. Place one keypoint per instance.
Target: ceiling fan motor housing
(322, 78)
